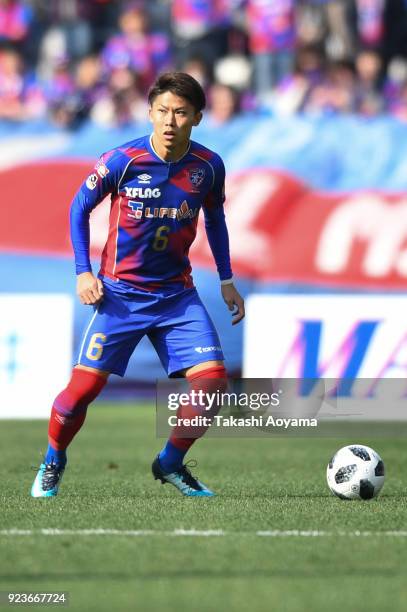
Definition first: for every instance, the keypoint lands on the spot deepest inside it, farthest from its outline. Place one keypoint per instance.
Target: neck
(169, 153)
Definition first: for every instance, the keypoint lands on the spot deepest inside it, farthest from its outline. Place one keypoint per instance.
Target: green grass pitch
(264, 484)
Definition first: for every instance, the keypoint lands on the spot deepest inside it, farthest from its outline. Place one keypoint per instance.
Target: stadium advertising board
(35, 352)
(359, 340)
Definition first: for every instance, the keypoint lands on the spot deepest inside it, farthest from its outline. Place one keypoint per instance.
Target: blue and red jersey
(153, 216)
(271, 25)
(147, 54)
(200, 16)
(370, 21)
(15, 20)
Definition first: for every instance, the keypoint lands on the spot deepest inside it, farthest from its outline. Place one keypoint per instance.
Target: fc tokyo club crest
(196, 176)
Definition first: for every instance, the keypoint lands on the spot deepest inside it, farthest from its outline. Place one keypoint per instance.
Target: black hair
(181, 84)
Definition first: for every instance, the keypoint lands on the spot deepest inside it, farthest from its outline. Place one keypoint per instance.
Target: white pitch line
(276, 533)
(115, 532)
(321, 534)
(91, 532)
(197, 532)
(12, 532)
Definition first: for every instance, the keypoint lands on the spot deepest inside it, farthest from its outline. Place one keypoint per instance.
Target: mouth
(169, 134)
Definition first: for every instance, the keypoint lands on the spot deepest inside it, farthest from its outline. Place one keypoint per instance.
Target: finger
(238, 318)
(82, 298)
(87, 297)
(94, 294)
(100, 286)
(240, 313)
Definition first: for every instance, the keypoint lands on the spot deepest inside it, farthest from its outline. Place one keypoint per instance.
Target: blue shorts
(178, 326)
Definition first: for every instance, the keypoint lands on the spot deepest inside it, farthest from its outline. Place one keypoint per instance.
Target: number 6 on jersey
(161, 238)
(95, 348)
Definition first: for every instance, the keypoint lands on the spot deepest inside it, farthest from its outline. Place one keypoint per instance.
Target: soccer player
(157, 185)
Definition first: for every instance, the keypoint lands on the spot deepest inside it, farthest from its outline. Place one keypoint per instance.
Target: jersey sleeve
(215, 223)
(104, 179)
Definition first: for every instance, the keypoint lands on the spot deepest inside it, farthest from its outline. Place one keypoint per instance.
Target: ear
(198, 118)
(150, 111)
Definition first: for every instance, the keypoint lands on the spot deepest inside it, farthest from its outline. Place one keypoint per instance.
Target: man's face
(173, 119)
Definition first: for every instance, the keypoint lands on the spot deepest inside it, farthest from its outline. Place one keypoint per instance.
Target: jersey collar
(154, 152)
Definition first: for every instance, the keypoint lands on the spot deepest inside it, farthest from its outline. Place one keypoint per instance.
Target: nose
(170, 119)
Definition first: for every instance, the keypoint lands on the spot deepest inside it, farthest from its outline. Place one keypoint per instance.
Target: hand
(89, 288)
(234, 302)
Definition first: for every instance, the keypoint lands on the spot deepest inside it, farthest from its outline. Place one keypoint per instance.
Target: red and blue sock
(69, 412)
(172, 455)
(55, 456)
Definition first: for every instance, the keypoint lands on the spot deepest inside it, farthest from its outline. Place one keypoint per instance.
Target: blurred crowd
(71, 60)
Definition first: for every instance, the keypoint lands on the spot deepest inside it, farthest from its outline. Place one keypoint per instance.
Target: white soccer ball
(355, 472)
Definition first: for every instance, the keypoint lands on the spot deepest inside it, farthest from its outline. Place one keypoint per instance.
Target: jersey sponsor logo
(91, 181)
(207, 349)
(101, 169)
(141, 192)
(144, 178)
(196, 176)
(184, 212)
(138, 211)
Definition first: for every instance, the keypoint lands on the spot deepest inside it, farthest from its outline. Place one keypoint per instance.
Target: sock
(55, 456)
(70, 406)
(172, 455)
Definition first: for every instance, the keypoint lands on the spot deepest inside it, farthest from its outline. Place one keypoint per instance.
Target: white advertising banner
(359, 340)
(36, 333)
